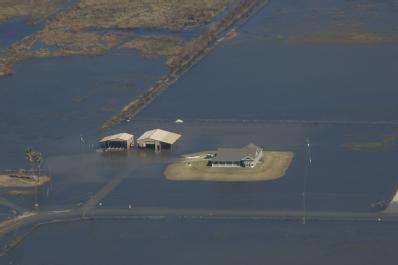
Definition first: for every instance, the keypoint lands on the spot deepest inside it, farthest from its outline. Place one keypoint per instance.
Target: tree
(35, 158)
(38, 159)
(29, 154)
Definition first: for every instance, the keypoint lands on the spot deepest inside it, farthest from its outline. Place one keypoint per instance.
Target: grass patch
(272, 166)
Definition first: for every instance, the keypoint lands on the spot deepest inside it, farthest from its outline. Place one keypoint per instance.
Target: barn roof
(117, 137)
(161, 136)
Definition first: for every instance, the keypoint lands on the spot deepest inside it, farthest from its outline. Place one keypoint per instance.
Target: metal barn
(117, 142)
(158, 139)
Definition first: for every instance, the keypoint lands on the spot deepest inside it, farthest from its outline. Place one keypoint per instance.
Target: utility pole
(82, 142)
(306, 175)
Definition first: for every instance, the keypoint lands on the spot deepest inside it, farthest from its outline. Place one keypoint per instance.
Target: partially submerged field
(8, 181)
(32, 10)
(93, 27)
(273, 165)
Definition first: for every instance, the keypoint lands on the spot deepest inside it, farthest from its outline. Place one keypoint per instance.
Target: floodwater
(209, 242)
(261, 75)
(255, 88)
(16, 29)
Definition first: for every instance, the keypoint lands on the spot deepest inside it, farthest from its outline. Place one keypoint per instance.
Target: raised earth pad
(273, 165)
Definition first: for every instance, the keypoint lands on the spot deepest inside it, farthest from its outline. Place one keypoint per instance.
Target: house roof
(236, 154)
(161, 136)
(117, 137)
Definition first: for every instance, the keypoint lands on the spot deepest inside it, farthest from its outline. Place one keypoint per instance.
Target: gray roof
(236, 154)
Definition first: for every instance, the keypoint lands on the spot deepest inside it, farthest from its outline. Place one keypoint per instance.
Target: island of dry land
(21, 181)
(272, 165)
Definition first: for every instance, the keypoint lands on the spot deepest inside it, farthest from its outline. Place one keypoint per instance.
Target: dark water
(209, 242)
(61, 114)
(339, 178)
(16, 29)
(59, 100)
(58, 106)
(282, 82)
(255, 76)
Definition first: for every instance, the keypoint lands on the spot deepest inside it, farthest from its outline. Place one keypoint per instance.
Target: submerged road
(104, 191)
(34, 220)
(39, 218)
(13, 206)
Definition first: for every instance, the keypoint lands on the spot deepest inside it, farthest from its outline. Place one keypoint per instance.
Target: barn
(117, 142)
(158, 139)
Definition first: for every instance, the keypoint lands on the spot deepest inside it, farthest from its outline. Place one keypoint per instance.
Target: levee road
(34, 220)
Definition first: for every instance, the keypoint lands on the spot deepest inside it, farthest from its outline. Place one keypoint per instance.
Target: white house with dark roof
(247, 156)
(157, 139)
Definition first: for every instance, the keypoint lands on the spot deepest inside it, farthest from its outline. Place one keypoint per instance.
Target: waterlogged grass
(153, 46)
(372, 146)
(93, 27)
(343, 38)
(32, 10)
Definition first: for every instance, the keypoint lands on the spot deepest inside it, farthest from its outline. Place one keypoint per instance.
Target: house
(247, 156)
(158, 139)
(117, 142)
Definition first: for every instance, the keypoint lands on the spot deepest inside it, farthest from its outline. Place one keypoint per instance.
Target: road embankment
(38, 219)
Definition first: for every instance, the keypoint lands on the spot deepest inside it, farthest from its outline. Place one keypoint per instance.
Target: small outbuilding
(158, 139)
(117, 142)
(247, 156)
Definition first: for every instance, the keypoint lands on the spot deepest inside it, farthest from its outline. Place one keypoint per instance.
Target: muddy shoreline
(22, 181)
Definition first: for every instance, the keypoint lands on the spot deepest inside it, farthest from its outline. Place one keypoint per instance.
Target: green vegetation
(35, 159)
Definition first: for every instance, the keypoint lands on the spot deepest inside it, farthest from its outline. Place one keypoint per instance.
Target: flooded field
(286, 80)
(339, 178)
